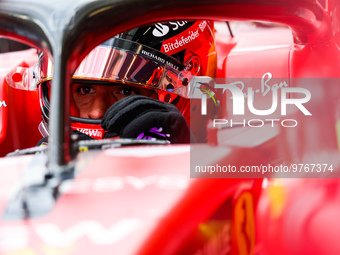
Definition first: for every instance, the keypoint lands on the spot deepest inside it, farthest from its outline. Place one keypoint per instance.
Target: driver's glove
(146, 118)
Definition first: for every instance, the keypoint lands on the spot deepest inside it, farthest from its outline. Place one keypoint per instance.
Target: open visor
(120, 61)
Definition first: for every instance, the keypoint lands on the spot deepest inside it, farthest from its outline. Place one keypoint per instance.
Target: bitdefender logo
(160, 30)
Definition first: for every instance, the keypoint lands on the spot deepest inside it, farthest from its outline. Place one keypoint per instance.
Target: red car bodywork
(20, 111)
(141, 199)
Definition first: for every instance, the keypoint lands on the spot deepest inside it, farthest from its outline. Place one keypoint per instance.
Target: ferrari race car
(262, 175)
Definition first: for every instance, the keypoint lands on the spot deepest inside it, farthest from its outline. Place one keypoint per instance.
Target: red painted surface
(141, 200)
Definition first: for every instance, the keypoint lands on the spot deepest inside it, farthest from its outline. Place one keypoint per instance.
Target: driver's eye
(84, 90)
(127, 92)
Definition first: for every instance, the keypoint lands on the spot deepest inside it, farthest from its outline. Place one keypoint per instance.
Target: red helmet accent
(93, 130)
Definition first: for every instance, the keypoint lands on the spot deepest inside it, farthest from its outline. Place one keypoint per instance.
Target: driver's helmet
(157, 59)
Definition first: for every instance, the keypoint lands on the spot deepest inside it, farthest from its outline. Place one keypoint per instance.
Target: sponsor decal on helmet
(175, 44)
(91, 132)
(149, 54)
(161, 30)
(181, 42)
(159, 59)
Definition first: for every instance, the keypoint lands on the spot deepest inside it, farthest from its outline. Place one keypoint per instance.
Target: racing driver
(135, 85)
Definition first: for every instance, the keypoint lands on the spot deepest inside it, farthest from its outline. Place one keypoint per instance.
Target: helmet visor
(126, 62)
